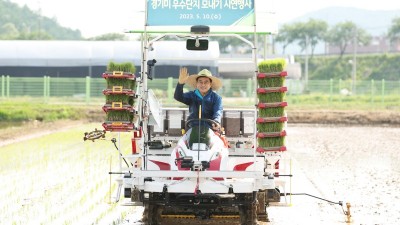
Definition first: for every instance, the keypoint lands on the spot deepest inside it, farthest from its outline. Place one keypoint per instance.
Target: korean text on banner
(200, 12)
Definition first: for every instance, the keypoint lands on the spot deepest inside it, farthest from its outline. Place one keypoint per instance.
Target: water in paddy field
(355, 164)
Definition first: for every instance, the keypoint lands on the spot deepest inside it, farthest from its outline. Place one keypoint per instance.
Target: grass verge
(18, 111)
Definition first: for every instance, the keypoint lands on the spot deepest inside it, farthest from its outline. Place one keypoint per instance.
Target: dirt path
(35, 129)
(346, 117)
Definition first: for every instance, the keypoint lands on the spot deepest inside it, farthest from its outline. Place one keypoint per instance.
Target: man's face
(203, 85)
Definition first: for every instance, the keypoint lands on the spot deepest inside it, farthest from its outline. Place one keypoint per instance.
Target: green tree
(22, 23)
(225, 43)
(304, 33)
(8, 31)
(345, 33)
(110, 37)
(286, 36)
(311, 33)
(394, 30)
(34, 36)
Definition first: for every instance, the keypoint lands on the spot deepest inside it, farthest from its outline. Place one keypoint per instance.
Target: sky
(96, 17)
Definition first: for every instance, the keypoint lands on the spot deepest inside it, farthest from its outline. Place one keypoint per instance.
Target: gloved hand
(215, 126)
(183, 75)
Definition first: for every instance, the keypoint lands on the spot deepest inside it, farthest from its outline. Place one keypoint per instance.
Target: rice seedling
(272, 79)
(125, 67)
(271, 142)
(57, 179)
(125, 99)
(272, 97)
(271, 82)
(271, 66)
(270, 127)
(118, 115)
(120, 82)
(271, 112)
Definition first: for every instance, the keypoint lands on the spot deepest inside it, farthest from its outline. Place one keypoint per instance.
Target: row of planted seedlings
(47, 189)
(120, 96)
(271, 107)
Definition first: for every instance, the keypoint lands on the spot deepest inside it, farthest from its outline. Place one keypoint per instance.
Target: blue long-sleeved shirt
(211, 103)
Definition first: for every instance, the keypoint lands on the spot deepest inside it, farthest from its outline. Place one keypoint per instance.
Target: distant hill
(375, 22)
(16, 20)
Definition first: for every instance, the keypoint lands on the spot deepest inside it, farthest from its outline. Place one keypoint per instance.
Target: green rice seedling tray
(270, 127)
(116, 83)
(270, 124)
(271, 82)
(119, 75)
(272, 65)
(121, 68)
(121, 126)
(118, 106)
(119, 116)
(271, 112)
(271, 134)
(264, 105)
(271, 141)
(124, 99)
(271, 119)
(271, 90)
(119, 90)
(271, 94)
(271, 75)
(271, 97)
(271, 149)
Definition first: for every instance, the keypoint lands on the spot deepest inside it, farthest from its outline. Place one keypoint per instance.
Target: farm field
(55, 177)
(356, 164)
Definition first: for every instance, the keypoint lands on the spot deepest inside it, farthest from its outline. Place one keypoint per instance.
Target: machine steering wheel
(209, 121)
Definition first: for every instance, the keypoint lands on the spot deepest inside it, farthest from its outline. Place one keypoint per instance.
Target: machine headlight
(146, 195)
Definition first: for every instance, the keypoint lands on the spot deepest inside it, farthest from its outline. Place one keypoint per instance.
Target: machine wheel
(151, 214)
(93, 135)
(248, 214)
(262, 213)
(135, 193)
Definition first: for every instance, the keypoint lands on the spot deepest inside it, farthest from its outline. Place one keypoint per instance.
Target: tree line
(21, 23)
(314, 31)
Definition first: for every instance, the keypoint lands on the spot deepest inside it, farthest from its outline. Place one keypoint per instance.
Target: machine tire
(248, 214)
(135, 195)
(262, 214)
(152, 214)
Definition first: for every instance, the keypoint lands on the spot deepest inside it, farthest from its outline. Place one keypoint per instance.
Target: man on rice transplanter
(204, 95)
(199, 143)
(205, 107)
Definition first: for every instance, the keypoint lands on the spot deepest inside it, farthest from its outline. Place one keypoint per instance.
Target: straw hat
(215, 84)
